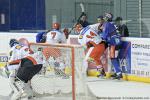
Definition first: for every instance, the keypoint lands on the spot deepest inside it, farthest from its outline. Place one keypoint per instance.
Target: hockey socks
(116, 65)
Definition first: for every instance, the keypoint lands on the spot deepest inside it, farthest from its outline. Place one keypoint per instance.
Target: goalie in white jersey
(17, 52)
(22, 67)
(94, 45)
(29, 66)
(55, 36)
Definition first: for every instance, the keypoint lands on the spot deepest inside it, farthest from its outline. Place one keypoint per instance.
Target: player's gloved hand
(89, 45)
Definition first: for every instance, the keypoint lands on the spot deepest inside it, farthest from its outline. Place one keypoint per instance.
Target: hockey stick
(82, 7)
(82, 13)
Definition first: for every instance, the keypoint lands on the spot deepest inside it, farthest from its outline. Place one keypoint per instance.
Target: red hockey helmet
(56, 26)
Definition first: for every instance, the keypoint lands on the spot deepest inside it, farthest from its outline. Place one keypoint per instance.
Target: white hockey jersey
(95, 27)
(55, 36)
(87, 34)
(17, 52)
(36, 58)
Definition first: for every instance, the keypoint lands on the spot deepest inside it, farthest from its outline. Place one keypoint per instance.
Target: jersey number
(91, 35)
(53, 34)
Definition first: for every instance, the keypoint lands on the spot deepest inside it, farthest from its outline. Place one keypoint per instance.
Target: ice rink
(103, 89)
(119, 90)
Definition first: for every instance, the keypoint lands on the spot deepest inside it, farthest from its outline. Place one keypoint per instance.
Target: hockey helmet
(108, 16)
(13, 42)
(56, 26)
(24, 42)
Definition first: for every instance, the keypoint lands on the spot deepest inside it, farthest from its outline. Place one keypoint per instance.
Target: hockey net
(63, 75)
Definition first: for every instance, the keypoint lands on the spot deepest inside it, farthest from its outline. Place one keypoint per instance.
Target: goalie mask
(13, 42)
(24, 42)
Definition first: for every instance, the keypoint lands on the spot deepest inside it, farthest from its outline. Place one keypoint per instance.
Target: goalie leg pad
(28, 89)
(18, 88)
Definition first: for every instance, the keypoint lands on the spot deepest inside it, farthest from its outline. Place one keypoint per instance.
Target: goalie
(29, 66)
(19, 50)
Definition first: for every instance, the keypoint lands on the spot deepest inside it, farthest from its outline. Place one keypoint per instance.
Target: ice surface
(99, 87)
(119, 88)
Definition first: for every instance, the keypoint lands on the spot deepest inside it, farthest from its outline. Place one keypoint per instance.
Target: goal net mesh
(63, 74)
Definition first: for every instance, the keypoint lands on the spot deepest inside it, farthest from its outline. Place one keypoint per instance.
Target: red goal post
(70, 58)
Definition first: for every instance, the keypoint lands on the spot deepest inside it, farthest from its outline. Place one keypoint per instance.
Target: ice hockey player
(17, 52)
(55, 35)
(93, 44)
(113, 39)
(29, 66)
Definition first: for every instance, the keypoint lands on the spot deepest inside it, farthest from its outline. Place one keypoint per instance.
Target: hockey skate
(11, 93)
(119, 76)
(113, 75)
(17, 96)
(102, 72)
(28, 91)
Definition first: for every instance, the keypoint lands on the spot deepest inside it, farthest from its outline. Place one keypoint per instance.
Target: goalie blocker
(28, 69)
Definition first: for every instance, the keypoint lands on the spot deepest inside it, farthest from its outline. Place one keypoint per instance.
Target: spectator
(121, 28)
(83, 20)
